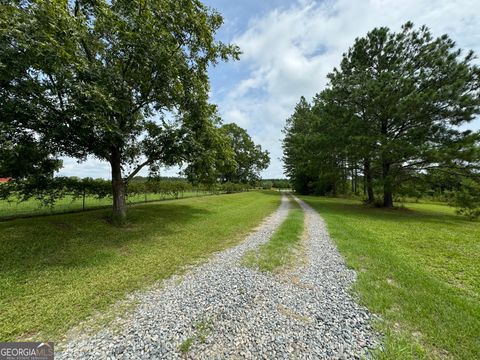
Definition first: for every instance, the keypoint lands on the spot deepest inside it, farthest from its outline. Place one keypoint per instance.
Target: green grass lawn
(279, 251)
(419, 268)
(57, 270)
(70, 204)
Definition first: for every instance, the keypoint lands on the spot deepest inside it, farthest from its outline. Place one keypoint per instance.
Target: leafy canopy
(125, 80)
(249, 158)
(97, 77)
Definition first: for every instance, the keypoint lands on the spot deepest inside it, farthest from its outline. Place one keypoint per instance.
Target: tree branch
(137, 170)
(57, 90)
(76, 12)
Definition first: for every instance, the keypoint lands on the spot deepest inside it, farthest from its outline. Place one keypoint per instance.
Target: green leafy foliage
(249, 158)
(50, 190)
(467, 199)
(124, 81)
(313, 156)
(266, 184)
(280, 184)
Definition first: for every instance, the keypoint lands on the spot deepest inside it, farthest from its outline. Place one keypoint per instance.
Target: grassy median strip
(419, 269)
(279, 251)
(58, 270)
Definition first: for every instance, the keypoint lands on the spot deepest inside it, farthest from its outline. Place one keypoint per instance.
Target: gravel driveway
(222, 310)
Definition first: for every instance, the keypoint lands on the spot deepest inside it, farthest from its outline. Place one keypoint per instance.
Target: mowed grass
(57, 270)
(279, 251)
(419, 268)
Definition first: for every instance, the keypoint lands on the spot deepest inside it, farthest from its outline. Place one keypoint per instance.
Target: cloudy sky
(288, 48)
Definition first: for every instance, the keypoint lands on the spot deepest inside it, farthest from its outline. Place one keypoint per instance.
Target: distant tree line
(242, 173)
(389, 122)
(281, 184)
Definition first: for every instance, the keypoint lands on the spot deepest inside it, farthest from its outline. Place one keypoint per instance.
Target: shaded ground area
(13, 209)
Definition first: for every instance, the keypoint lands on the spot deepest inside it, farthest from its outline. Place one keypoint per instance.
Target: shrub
(467, 199)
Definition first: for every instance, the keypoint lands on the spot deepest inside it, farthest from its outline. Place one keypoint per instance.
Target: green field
(60, 269)
(9, 209)
(279, 251)
(419, 268)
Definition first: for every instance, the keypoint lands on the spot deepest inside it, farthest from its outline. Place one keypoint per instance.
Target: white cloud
(96, 168)
(289, 52)
(237, 116)
(92, 167)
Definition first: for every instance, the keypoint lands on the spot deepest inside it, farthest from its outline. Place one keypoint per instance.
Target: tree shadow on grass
(86, 239)
(399, 214)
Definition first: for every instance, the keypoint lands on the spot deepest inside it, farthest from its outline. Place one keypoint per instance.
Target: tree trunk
(387, 186)
(118, 187)
(352, 174)
(355, 176)
(387, 199)
(369, 183)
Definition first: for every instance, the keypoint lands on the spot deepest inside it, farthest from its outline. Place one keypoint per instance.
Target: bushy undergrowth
(467, 199)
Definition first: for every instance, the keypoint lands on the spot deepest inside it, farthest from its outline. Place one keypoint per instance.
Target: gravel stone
(226, 310)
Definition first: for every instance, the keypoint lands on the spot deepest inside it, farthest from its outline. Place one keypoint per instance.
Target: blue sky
(289, 47)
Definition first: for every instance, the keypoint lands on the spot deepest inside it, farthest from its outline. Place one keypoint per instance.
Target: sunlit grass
(419, 268)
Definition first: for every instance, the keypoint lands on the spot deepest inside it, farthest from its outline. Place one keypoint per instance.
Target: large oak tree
(124, 80)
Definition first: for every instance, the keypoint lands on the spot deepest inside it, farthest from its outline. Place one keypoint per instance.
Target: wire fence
(13, 208)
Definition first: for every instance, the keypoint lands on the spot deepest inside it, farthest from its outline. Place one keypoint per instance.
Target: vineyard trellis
(70, 194)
